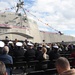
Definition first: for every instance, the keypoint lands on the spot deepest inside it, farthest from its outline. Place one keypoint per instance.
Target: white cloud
(60, 13)
(4, 4)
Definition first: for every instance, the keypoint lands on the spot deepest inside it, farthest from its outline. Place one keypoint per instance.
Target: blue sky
(59, 14)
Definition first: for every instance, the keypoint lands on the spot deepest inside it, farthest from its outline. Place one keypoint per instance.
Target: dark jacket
(54, 55)
(29, 54)
(73, 56)
(7, 59)
(39, 55)
(18, 51)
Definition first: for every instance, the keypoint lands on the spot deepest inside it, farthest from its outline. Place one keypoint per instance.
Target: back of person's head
(44, 50)
(62, 64)
(5, 50)
(2, 68)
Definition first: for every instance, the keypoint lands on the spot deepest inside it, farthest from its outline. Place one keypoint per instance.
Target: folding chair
(51, 64)
(19, 58)
(36, 73)
(31, 65)
(44, 64)
(51, 72)
(19, 68)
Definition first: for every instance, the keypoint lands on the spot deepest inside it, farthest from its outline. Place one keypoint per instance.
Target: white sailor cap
(30, 44)
(2, 44)
(40, 46)
(19, 44)
(47, 46)
(55, 47)
(10, 42)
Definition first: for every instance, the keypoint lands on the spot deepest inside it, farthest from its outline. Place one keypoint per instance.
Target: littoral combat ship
(20, 26)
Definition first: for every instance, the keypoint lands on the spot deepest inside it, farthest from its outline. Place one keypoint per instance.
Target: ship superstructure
(17, 25)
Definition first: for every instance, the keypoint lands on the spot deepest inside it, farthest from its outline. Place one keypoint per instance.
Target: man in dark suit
(5, 57)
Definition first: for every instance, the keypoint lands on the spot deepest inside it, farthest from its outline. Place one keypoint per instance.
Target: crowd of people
(36, 51)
